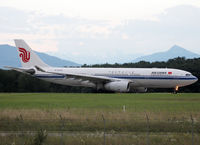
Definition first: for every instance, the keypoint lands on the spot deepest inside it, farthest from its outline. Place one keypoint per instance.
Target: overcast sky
(100, 31)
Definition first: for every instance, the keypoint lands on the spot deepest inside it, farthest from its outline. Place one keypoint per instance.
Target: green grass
(188, 102)
(83, 112)
(169, 114)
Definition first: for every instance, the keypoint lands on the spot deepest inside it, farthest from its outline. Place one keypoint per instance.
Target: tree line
(12, 81)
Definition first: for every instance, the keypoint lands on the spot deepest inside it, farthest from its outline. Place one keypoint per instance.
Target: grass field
(189, 102)
(168, 113)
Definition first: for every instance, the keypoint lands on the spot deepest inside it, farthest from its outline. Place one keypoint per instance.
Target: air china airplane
(110, 79)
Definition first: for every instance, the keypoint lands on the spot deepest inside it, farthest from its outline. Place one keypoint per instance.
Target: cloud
(45, 45)
(13, 20)
(99, 10)
(125, 36)
(176, 25)
(99, 41)
(17, 24)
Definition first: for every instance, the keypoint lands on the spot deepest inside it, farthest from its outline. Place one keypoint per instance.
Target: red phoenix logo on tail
(25, 55)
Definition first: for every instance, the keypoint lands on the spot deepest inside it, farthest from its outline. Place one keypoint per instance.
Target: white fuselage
(141, 77)
(111, 79)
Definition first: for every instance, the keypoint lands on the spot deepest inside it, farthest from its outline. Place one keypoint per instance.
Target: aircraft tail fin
(27, 56)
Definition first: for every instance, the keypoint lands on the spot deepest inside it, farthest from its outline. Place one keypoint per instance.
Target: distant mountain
(173, 52)
(9, 57)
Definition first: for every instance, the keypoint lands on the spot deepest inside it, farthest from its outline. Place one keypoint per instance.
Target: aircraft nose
(195, 79)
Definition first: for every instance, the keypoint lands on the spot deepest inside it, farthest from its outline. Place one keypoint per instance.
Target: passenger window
(188, 75)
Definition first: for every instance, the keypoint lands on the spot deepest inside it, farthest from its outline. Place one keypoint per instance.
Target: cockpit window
(188, 75)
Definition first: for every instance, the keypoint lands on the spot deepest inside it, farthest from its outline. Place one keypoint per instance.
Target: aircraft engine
(118, 86)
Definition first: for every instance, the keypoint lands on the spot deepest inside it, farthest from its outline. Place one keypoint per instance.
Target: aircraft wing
(84, 77)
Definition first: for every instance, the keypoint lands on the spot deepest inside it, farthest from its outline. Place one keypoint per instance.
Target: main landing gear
(176, 89)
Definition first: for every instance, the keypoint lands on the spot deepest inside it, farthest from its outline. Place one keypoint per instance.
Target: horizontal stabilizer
(23, 70)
